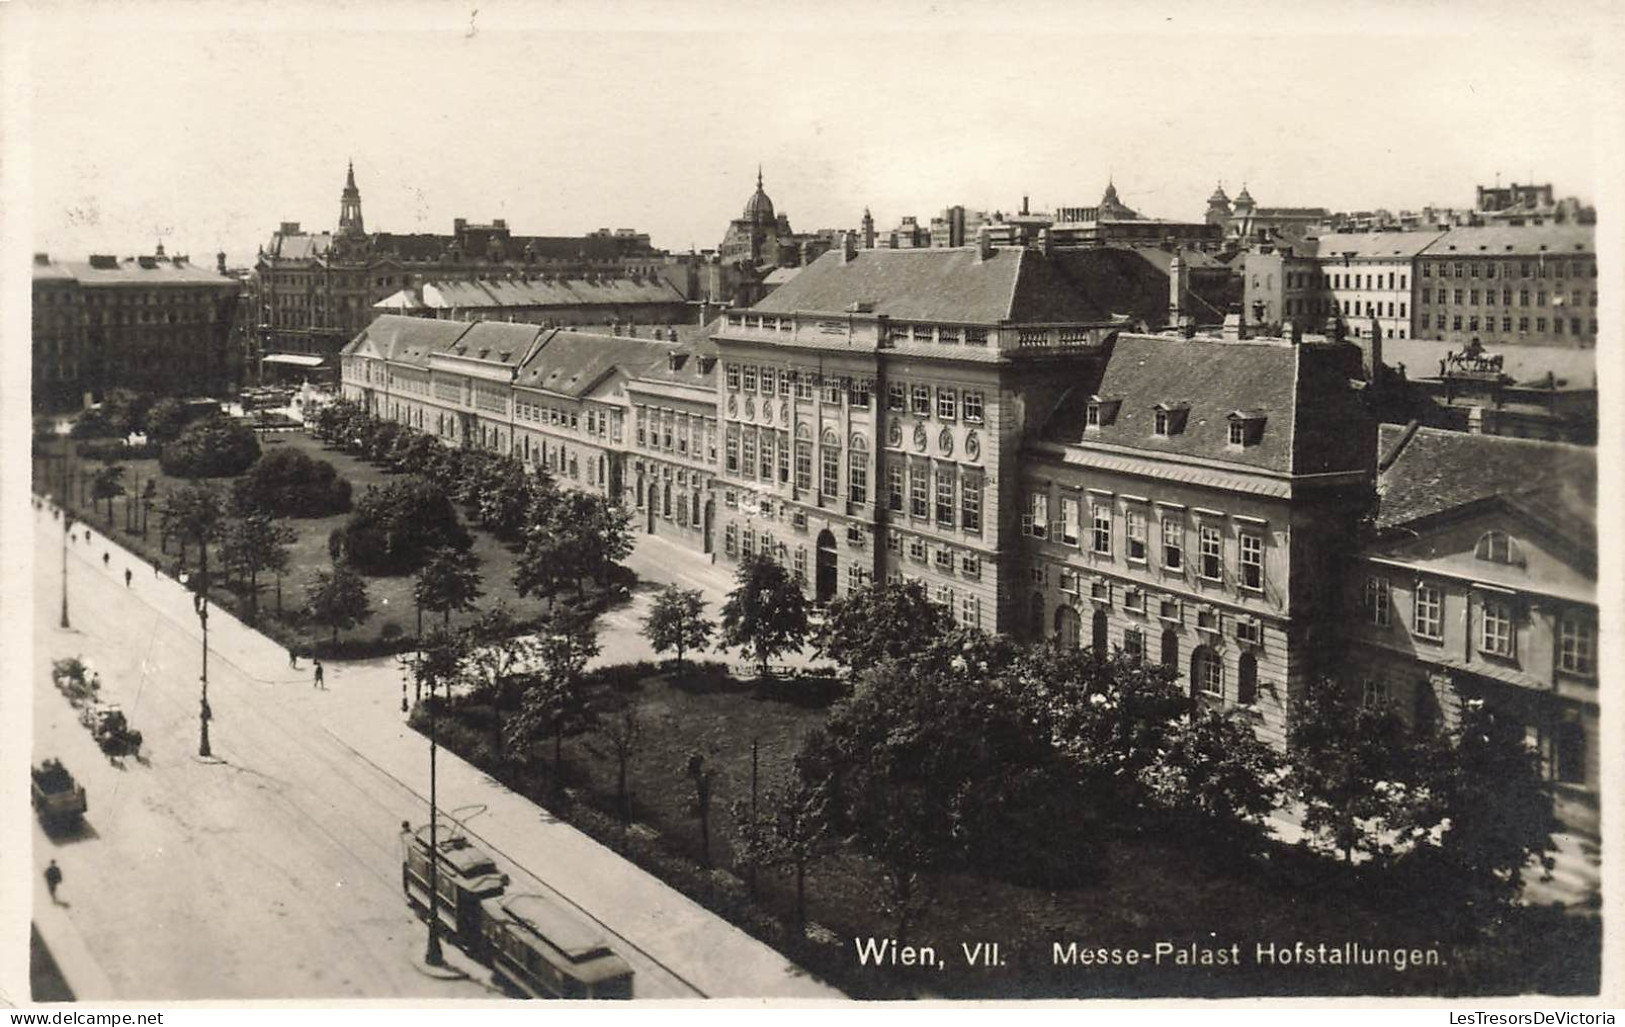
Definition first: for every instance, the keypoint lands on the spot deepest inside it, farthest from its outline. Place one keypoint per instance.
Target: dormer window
(1101, 410)
(1246, 427)
(1169, 418)
(1498, 547)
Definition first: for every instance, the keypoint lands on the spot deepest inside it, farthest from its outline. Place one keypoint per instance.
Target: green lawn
(391, 596)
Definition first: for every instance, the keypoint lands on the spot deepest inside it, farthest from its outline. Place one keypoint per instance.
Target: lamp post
(200, 603)
(432, 955)
(67, 527)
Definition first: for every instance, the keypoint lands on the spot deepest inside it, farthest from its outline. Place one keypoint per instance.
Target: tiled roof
(498, 342)
(1394, 246)
(953, 285)
(1438, 470)
(1522, 240)
(132, 272)
(557, 292)
(1314, 421)
(570, 363)
(409, 340)
(298, 246)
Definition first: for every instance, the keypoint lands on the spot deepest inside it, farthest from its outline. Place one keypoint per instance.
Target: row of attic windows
(1168, 419)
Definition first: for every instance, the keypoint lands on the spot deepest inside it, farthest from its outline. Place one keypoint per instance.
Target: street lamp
(200, 603)
(67, 527)
(432, 955)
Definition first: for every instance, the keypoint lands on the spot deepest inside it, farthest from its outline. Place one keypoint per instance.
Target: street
(273, 870)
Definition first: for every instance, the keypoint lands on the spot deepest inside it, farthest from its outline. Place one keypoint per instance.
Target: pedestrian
(107, 558)
(53, 877)
(293, 657)
(128, 574)
(157, 566)
(321, 679)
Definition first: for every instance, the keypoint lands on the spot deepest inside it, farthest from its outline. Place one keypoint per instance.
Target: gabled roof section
(548, 292)
(1314, 420)
(498, 342)
(408, 340)
(1434, 471)
(1391, 246)
(571, 363)
(1552, 240)
(951, 285)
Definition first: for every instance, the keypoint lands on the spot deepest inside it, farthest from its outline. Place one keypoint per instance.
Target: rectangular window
(973, 406)
(858, 395)
(1133, 644)
(1071, 519)
(1374, 692)
(804, 466)
(947, 403)
(1376, 601)
(1252, 561)
(749, 460)
(747, 545)
(1212, 551)
(733, 376)
(833, 390)
(829, 479)
(917, 491)
(750, 377)
(1100, 537)
(1577, 646)
(894, 542)
(922, 400)
(970, 613)
(769, 381)
(1497, 634)
(1134, 601)
(804, 385)
(801, 563)
(970, 565)
(1134, 532)
(733, 449)
(1428, 613)
(1036, 520)
(1173, 544)
(916, 548)
(730, 540)
(945, 499)
(970, 504)
(766, 464)
(894, 488)
(896, 397)
(857, 477)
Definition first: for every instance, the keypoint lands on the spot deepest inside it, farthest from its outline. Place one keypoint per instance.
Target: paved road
(273, 871)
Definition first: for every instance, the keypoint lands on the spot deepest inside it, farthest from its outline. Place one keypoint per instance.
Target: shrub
(395, 527)
(288, 483)
(216, 447)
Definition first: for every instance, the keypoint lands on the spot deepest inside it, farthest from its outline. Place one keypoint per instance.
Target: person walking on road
(107, 558)
(157, 566)
(293, 657)
(53, 877)
(128, 574)
(321, 678)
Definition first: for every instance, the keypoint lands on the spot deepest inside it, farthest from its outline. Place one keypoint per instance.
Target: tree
(417, 453)
(497, 649)
(879, 622)
(766, 612)
(395, 527)
(555, 704)
(194, 513)
(545, 564)
(379, 439)
(214, 447)
(337, 599)
(288, 483)
(252, 542)
(109, 485)
(1217, 778)
(448, 580)
(94, 423)
(677, 621)
(165, 420)
(581, 535)
(797, 833)
(126, 411)
(1357, 770)
(622, 729)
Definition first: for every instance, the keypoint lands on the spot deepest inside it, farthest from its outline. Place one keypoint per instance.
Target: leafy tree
(677, 621)
(108, 484)
(555, 704)
(288, 483)
(497, 650)
(766, 612)
(787, 829)
(165, 420)
(448, 580)
(1358, 772)
(621, 728)
(251, 543)
(585, 534)
(379, 439)
(194, 513)
(881, 621)
(417, 453)
(126, 411)
(214, 447)
(94, 423)
(337, 599)
(1218, 778)
(546, 563)
(395, 527)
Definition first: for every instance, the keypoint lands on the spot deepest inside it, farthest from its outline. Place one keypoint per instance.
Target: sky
(205, 125)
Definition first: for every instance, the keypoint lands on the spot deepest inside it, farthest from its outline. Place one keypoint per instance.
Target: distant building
(1481, 585)
(317, 289)
(1368, 280)
(1244, 223)
(1473, 393)
(546, 299)
(1112, 222)
(1509, 284)
(155, 323)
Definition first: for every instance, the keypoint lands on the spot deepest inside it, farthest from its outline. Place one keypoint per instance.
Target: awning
(296, 359)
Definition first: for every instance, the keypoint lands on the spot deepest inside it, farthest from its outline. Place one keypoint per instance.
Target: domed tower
(759, 209)
(868, 229)
(350, 223)
(1218, 207)
(1243, 219)
(1244, 201)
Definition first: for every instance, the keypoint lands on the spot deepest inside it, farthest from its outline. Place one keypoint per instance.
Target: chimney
(289, 228)
(1375, 374)
(984, 244)
(42, 259)
(220, 262)
(1178, 286)
(849, 247)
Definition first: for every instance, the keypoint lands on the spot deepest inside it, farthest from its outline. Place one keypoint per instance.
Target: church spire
(350, 222)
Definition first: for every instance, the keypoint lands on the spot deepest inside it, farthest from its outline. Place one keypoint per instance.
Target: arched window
(1247, 680)
(1067, 626)
(1498, 547)
(1170, 649)
(665, 500)
(1098, 636)
(1207, 672)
